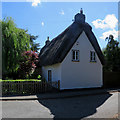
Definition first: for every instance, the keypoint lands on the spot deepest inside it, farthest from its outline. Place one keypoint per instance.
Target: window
(75, 55)
(92, 56)
(49, 76)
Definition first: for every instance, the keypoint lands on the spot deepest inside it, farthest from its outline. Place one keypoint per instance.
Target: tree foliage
(34, 45)
(112, 55)
(14, 42)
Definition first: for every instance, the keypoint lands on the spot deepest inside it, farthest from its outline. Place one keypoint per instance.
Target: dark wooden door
(49, 76)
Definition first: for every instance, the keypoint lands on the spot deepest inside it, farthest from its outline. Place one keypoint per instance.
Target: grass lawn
(20, 80)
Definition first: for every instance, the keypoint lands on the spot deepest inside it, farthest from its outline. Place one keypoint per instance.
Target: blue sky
(52, 18)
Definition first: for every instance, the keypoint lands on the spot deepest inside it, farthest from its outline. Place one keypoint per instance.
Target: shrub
(28, 64)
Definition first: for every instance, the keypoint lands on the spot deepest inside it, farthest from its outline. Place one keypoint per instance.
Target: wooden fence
(28, 87)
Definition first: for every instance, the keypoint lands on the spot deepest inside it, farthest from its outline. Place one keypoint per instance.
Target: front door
(49, 76)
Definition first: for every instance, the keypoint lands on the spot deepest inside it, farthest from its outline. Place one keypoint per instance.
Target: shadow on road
(75, 107)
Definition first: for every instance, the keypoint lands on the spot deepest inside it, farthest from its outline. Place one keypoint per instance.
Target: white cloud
(42, 23)
(36, 2)
(110, 32)
(62, 12)
(110, 21)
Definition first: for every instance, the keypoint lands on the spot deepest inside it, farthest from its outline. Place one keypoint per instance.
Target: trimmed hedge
(20, 80)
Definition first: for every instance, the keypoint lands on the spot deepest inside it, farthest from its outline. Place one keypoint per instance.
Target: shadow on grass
(75, 107)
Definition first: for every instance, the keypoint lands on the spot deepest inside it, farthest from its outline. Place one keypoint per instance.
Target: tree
(14, 41)
(112, 55)
(28, 63)
(34, 46)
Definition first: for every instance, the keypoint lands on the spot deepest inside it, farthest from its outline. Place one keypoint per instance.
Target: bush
(28, 64)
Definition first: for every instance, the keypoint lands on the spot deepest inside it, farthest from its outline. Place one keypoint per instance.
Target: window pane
(77, 55)
(73, 55)
(92, 56)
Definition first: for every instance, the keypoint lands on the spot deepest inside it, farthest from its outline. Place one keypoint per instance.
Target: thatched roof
(56, 50)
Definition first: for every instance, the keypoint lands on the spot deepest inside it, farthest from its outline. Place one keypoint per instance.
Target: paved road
(93, 106)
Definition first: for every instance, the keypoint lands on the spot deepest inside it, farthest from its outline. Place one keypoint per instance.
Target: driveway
(92, 106)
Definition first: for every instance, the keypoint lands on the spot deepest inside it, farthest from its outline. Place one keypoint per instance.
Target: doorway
(49, 76)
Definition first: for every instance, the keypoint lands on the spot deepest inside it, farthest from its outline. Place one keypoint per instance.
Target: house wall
(83, 74)
(56, 72)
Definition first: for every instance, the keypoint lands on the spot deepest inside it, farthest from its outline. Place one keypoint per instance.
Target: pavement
(62, 94)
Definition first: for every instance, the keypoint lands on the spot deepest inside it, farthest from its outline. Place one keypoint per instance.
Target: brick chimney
(80, 17)
(47, 41)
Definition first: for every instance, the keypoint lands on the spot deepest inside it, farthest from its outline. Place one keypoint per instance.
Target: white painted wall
(83, 74)
(56, 71)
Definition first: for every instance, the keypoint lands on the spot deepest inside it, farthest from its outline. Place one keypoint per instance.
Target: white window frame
(92, 56)
(77, 55)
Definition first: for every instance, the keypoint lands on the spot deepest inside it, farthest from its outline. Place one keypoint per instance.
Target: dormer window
(92, 56)
(75, 55)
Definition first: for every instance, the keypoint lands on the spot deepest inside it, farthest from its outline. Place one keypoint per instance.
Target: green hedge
(19, 80)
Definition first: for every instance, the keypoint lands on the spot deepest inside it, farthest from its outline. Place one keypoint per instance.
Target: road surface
(93, 106)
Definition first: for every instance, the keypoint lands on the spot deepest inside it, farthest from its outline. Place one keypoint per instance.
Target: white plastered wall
(56, 71)
(83, 74)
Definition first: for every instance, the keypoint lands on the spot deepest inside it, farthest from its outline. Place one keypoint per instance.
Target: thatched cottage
(74, 57)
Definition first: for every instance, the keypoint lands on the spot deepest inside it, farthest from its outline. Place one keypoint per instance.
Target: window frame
(76, 56)
(93, 56)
